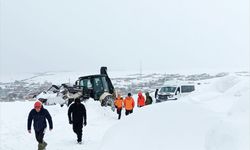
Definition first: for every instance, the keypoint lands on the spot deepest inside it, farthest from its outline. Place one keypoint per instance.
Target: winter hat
(77, 100)
(37, 104)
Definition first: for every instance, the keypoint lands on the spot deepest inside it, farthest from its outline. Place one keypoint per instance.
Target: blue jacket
(39, 119)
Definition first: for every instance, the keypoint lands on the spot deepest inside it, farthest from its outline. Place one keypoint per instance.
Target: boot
(40, 146)
(79, 142)
(45, 144)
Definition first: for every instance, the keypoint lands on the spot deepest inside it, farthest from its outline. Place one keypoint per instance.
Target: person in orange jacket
(140, 100)
(129, 104)
(119, 105)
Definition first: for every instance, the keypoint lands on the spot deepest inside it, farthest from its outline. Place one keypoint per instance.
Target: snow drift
(214, 117)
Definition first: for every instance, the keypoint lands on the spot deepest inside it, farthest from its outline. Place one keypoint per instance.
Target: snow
(14, 133)
(214, 117)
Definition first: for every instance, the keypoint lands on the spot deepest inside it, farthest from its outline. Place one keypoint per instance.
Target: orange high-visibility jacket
(140, 101)
(119, 102)
(129, 103)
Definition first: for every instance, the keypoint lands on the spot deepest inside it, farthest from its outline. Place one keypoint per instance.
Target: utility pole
(140, 70)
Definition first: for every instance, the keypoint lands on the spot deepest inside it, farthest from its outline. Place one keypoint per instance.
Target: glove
(70, 122)
(85, 123)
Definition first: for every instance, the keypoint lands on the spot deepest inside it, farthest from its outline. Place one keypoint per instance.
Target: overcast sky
(54, 35)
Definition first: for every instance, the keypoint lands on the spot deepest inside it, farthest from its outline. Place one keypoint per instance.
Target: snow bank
(215, 117)
(169, 125)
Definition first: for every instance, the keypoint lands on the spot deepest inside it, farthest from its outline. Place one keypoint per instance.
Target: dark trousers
(119, 112)
(128, 112)
(39, 136)
(77, 128)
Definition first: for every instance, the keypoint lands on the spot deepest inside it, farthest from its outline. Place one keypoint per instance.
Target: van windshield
(169, 89)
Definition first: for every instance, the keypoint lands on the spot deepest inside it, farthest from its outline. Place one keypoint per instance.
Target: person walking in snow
(118, 105)
(140, 100)
(77, 116)
(148, 99)
(39, 115)
(156, 93)
(129, 104)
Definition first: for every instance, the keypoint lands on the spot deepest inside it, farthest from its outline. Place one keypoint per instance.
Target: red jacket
(140, 100)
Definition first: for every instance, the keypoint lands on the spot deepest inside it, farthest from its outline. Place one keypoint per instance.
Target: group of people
(76, 114)
(128, 103)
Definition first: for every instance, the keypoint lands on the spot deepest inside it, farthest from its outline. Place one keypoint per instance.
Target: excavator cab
(94, 86)
(98, 87)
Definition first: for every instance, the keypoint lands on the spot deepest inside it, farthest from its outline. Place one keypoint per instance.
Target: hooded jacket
(140, 100)
(78, 112)
(39, 119)
(148, 99)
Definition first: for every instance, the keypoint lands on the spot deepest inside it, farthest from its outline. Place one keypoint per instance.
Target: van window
(187, 88)
(168, 89)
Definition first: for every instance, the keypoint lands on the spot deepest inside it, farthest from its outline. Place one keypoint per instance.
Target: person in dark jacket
(156, 93)
(39, 115)
(148, 99)
(77, 117)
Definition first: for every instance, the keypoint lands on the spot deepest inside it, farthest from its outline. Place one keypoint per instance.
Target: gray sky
(53, 35)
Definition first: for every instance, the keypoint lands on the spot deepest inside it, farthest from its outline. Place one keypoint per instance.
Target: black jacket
(148, 100)
(39, 119)
(77, 112)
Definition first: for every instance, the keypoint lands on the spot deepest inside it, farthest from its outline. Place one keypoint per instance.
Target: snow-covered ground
(14, 133)
(214, 117)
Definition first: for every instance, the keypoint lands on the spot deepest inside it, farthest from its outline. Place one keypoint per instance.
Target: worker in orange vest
(129, 104)
(140, 100)
(119, 105)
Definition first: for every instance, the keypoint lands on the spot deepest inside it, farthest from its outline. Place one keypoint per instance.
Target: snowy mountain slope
(214, 117)
(58, 77)
(54, 77)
